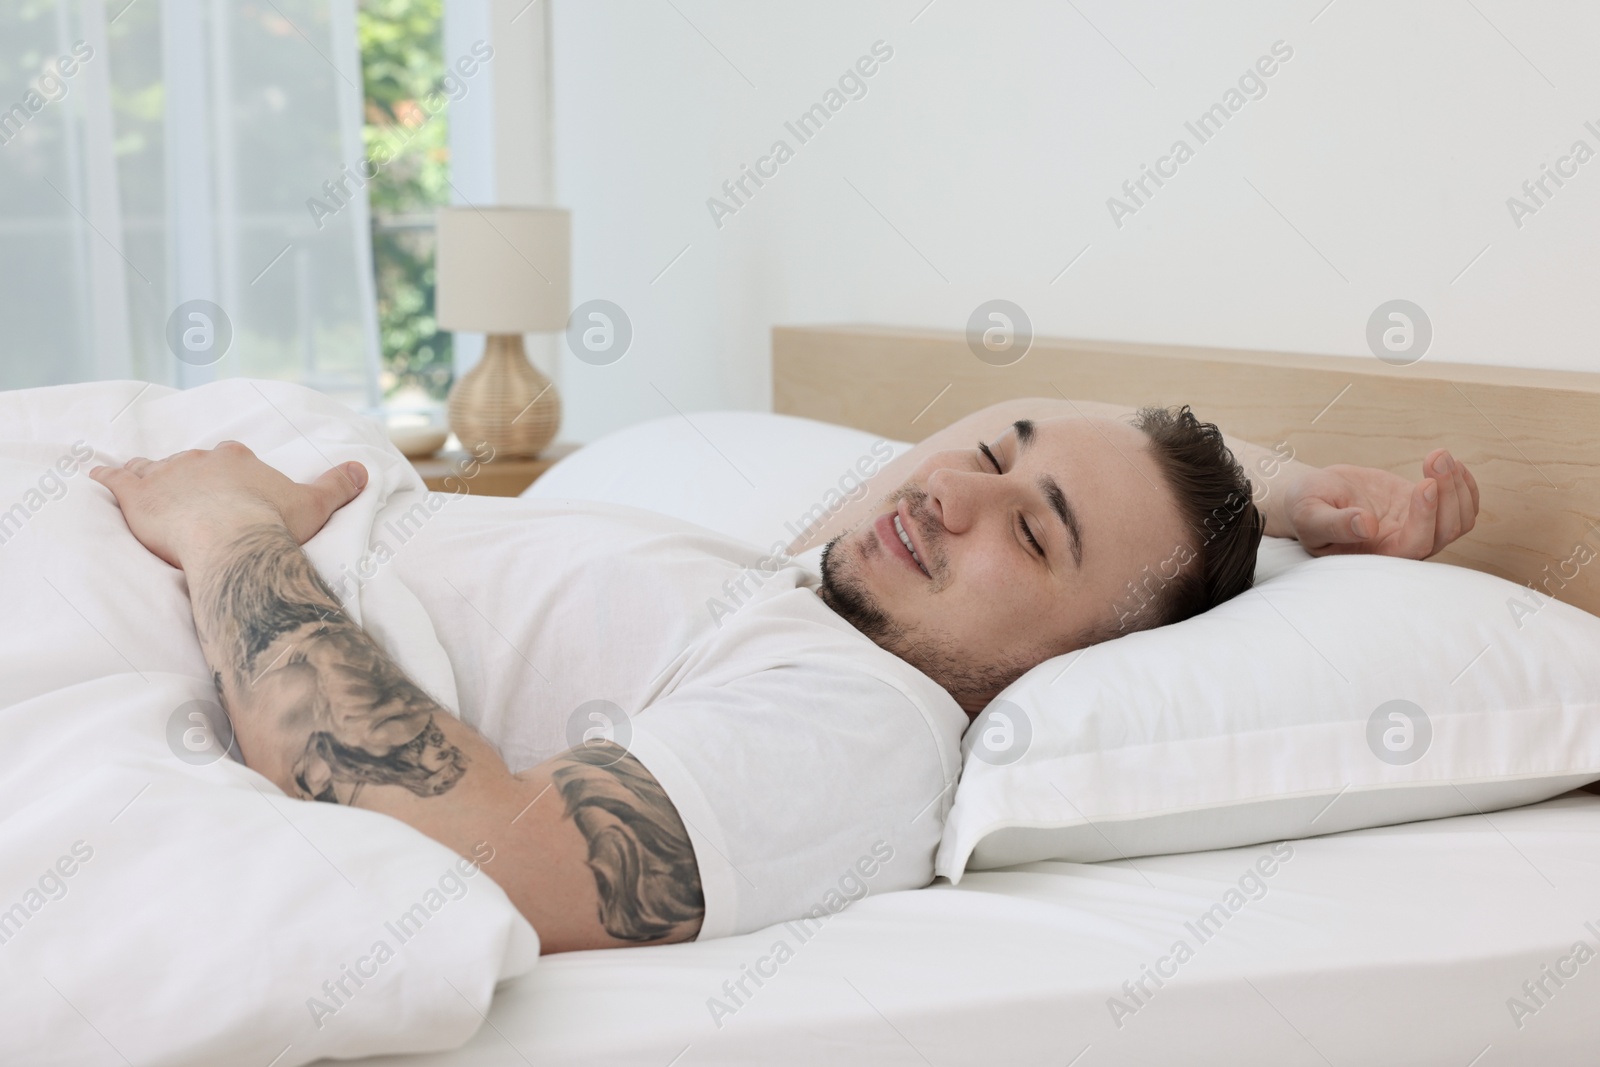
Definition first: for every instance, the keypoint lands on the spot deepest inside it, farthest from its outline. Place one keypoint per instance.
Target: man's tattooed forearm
(639, 849)
(267, 589)
(267, 615)
(331, 770)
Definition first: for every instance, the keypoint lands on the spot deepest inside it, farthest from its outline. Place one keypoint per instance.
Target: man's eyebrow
(1052, 493)
(1069, 518)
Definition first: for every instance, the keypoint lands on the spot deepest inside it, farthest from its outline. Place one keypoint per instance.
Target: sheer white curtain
(154, 153)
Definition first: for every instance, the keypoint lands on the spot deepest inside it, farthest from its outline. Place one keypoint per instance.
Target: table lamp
(503, 271)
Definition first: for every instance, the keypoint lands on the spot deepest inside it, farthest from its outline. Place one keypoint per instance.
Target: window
(405, 123)
(157, 161)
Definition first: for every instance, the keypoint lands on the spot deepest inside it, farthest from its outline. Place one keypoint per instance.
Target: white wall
(500, 130)
(992, 140)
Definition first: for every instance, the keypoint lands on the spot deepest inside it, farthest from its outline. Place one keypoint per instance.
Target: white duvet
(159, 908)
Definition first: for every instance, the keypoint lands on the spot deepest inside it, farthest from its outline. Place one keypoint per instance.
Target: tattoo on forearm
(334, 771)
(639, 849)
(270, 621)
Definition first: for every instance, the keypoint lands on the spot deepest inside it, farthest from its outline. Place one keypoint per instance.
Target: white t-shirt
(797, 752)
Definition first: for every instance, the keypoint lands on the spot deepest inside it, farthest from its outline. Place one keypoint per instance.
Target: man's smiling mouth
(905, 539)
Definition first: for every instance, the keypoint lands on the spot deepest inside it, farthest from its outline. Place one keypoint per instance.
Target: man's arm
(318, 708)
(1333, 509)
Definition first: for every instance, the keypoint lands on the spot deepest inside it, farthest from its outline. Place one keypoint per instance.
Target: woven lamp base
(505, 401)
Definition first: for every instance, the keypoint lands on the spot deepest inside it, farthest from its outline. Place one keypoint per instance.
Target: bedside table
(506, 476)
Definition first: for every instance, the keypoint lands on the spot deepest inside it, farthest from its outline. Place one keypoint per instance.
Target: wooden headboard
(1532, 438)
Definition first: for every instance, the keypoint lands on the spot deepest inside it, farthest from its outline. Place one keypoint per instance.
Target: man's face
(1016, 553)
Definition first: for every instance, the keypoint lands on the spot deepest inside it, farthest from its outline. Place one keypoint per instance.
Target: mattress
(1401, 945)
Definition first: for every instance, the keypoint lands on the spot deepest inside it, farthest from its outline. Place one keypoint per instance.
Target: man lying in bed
(797, 750)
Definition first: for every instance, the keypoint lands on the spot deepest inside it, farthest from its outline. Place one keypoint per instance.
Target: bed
(1428, 943)
(1392, 946)
(1440, 942)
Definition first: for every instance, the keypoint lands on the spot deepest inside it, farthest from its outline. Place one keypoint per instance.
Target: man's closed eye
(1022, 522)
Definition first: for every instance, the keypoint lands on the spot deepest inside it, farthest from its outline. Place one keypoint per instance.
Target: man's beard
(849, 598)
(845, 592)
(936, 655)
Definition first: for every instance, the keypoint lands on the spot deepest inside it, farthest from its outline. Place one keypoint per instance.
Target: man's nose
(957, 497)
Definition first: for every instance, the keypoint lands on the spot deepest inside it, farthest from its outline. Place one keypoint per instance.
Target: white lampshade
(502, 269)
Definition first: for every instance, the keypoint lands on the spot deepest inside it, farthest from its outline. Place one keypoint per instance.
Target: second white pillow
(1340, 693)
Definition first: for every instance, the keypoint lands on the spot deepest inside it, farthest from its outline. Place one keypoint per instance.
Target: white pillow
(750, 475)
(1274, 716)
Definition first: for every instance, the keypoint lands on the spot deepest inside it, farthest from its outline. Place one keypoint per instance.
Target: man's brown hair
(1214, 501)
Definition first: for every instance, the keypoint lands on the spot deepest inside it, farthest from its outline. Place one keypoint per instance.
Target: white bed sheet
(1399, 945)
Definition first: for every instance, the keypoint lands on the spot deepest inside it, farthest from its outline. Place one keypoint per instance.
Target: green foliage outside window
(402, 60)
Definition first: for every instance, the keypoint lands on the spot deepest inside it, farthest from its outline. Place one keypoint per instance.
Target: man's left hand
(1343, 509)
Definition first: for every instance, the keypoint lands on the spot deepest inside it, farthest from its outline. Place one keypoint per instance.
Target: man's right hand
(180, 506)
